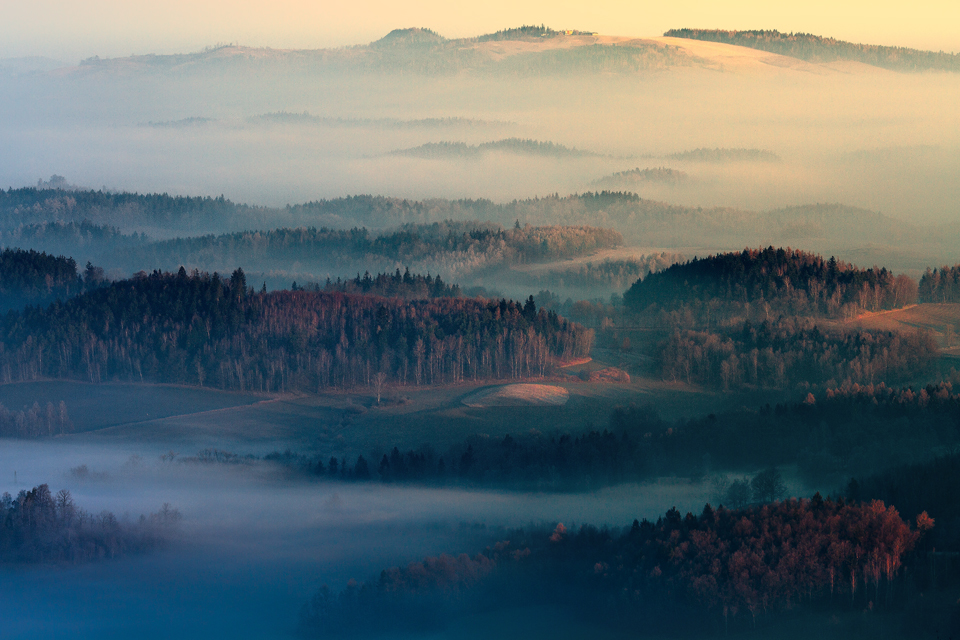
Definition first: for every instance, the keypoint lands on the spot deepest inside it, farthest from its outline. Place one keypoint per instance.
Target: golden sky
(73, 29)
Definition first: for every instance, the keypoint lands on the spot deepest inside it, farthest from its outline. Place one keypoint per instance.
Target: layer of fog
(256, 543)
(844, 138)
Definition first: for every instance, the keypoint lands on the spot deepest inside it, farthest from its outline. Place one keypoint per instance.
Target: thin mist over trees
(721, 570)
(39, 527)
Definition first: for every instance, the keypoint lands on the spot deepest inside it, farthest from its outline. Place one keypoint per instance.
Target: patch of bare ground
(518, 395)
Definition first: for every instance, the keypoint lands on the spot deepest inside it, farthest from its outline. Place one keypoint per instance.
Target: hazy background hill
(271, 128)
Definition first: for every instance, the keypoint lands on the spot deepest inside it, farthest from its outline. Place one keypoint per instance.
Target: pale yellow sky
(70, 30)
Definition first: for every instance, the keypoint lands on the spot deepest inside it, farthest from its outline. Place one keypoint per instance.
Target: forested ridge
(35, 205)
(720, 570)
(793, 351)
(786, 279)
(815, 48)
(451, 246)
(37, 526)
(203, 329)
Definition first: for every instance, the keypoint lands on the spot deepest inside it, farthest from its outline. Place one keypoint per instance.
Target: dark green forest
(203, 329)
(779, 280)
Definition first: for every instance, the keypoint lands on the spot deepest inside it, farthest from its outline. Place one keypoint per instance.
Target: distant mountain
(29, 64)
(637, 177)
(726, 155)
(532, 51)
(814, 48)
(286, 117)
(509, 145)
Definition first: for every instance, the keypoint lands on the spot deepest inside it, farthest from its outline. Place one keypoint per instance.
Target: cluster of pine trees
(33, 277)
(682, 573)
(39, 527)
(940, 285)
(407, 286)
(790, 281)
(791, 352)
(202, 329)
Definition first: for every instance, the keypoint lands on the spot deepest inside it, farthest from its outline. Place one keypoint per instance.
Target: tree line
(37, 526)
(36, 421)
(940, 285)
(790, 352)
(204, 329)
(454, 246)
(707, 573)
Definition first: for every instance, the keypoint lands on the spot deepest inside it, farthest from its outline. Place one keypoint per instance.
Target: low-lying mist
(875, 139)
(254, 543)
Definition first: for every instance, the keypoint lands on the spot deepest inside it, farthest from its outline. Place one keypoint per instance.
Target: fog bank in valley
(254, 545)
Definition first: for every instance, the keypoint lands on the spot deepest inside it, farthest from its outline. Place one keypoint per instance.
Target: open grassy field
(98, 406)
(941, 320)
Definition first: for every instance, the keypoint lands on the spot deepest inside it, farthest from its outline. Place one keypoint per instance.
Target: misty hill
(726, 155)
(633, 178)
(814, 48)
(525, 51)
(509, 145)
(450, 246)
(183, 123)
(413, 37)
(827, 228)
(791, 278)
(203, 329)
(285, 117)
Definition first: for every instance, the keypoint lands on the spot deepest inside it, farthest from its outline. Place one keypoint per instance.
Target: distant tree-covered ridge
(450, 245)
(789, 352)
(787, 279)
(940, 285)
(638, 176)
(33, 277)
(820, 49)
(726, 155)
(407, 286)
(39, 527)
(124, 210)
(707, 573)
(509, 145)
(305, 117)
(203, 329)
